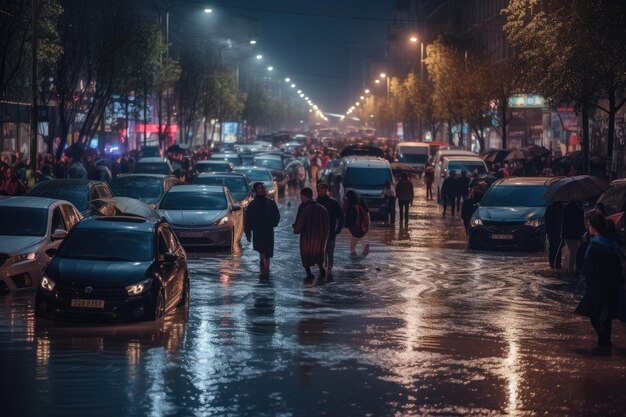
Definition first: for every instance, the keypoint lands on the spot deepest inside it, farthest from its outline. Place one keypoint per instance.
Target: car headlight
(47, 284)
(475, 222)
(139, 287)
(534, 222)
(222, 221)
(31, 256)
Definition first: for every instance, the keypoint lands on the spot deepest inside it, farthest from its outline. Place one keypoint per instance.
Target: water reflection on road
(419, 326)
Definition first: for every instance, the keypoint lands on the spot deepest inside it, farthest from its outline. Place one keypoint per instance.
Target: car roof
(224, 154)
(221, 174)
(152, 159)
(455, 152)
(251, 168)
(525, 181)
(464, 158)
(29, 202)
(156, 176)
(65, 182)
(267, 156)
(141, 224)
(212, 162)
(416, 144)
(366, 161)
(196, 188)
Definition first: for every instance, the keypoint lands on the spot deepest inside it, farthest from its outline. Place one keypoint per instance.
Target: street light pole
(34, 125)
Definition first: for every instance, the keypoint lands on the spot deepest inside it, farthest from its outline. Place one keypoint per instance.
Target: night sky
(326, 56)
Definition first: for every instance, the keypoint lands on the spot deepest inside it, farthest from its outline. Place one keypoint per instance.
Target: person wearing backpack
(262, 216)
(313, 227)
(357, 221)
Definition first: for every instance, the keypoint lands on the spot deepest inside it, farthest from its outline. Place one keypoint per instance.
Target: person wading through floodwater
(335, 222)
(357, 221)
(312, 226)
(262, 217)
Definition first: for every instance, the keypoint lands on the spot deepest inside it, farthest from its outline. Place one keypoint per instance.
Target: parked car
(469, 164)
(413, 154)
(614, 202)
(150, 151)
(238, 184)
(115, 269)
(213, 166)
(148, 188)
(362, 150)
(367, 176)
(511, 215)
(153, 165)
(275, 164)
(203, 215)
(229, 157)
(30, 226)
(79, 192)
(258, 174)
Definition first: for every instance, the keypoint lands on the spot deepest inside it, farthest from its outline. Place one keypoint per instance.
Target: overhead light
(301, 95)
(383, 75)
(306, 98)
(367, 91)
(293, 86)
(270, 68)
(259, 56)
(253, 42)
(287, 79)
(208, 10)
(362, 98)
(299, 91)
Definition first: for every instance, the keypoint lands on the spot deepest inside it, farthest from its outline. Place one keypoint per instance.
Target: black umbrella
(175, 148)
(495, 155)
(578, 188)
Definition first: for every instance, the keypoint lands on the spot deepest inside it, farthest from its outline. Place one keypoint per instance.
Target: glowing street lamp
(253, 42)
(383, 75)
(259, 57)
(367, 91)
(208, 11)
(362, 98)
(377, 81)
(270, 68)
(293, 86)
(287, 79)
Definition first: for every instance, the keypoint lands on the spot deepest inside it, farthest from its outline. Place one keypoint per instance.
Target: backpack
(359, 229)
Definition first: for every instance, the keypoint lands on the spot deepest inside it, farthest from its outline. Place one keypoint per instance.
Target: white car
(29, 227)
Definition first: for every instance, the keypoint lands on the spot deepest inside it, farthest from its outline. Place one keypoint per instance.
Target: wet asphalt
(417, 327)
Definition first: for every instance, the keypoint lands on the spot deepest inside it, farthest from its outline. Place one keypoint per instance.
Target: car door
(57, 222)
(167, 270)
(70, 215)
(180, 266)
(237, 216)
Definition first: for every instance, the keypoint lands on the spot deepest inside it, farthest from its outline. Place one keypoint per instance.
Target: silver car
(29, 227)
(258, 174)
(203, 215)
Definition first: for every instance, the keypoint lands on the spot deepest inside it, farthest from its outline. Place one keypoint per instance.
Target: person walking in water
(357, 221)
(390, 202)
(448, 193)
(262, 216)
(335, 222)
(313, 227)
(429, 179)
(405, 195)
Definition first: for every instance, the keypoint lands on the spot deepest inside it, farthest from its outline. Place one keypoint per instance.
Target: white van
(470, 164)
(438, 163)
(413, 154)
(367, 176)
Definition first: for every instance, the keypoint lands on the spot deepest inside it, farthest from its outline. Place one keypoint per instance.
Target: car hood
(192, 218)
(14, 245)
(510, 213)
(88, 271)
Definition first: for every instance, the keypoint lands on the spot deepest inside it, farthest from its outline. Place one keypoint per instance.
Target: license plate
(87, 303)
(502, 237)
(191, 234)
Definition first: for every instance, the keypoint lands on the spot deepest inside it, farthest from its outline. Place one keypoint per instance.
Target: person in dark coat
(405, 195)
(462, 189)
(357, 221)
(603, 274)
(77, 169)
(448, 192)
(554, 220)
(262, 216)
(313, 227)
(335, 222)
(429, 179)
(468, 207)
(572, 231)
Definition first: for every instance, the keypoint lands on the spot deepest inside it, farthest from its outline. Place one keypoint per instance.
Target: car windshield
(120, 245)
(469, 167)
(77, 195)
(236, 185)
(22, 221)
(515, 196)
(413, 158)
(213, 167)
(152, 168)
(275, 164)
(197, 200)
(257, 175)
(367, 177)
(232, 158)
(141, 188)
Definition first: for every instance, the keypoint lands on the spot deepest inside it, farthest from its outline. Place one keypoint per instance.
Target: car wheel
(159, 307)
(184, 299)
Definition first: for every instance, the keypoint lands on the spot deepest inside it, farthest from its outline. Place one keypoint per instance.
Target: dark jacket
(335, 215)
(312, 226)
(554, 219)
(404, 190)
(262, 217)
(462, 186)
(603, 273)
(448, 188)
(351, 218)
(573, 225)
(467, 209)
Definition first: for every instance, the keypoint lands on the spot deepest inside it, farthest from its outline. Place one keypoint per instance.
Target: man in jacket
(448, 192)
(262, 217)
(462, 189)
(335, 222)
(405, 195)
(312, 226)
(554, 220)
(572, 231)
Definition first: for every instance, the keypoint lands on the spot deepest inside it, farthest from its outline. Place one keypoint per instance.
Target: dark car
(153, 165)
(238, 185)
(258, 174)
(79, 192)
(213, 166)
(614, 203)
(361, 150)
(276, 165)
(148, 188)
(511, 215)
(232, 158)
(115, 269)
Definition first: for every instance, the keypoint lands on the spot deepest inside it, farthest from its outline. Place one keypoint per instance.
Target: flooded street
(418, 327)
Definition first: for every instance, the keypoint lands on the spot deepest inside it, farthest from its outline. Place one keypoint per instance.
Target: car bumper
(20, 276)
(523, 238)
(376, 205)
(210, 236)
(118, 306)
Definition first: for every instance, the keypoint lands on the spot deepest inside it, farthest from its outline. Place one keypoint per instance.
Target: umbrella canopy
(176, 148)
(578, 188)
(527, 153)
(536, 151)
(495, 155)
(517, 155)
(117, 206)
(399, 166)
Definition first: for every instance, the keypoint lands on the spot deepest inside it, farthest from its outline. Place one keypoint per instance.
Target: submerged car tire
(184, 299)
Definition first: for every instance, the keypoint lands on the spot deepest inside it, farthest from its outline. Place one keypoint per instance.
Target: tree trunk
(585, 144)
(126, 121)
(611, 135)
(145, 114)
(160, 119)
(505, 122)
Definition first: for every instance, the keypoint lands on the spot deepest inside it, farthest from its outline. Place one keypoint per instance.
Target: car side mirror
(59, 234)
(51, 252)
(236, 207)
(170, 257)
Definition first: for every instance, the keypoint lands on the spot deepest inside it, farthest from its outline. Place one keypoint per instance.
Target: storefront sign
(526, 101)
